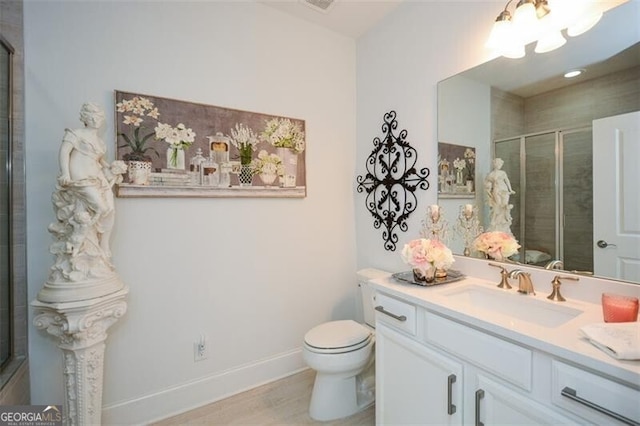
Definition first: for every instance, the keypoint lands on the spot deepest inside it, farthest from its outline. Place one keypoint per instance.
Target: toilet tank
(367, 293)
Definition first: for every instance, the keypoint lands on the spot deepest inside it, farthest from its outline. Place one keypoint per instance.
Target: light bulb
(500, 34)
(513, 51)
(550, 41)
(550, 37)
(525, 22)
(584, 24)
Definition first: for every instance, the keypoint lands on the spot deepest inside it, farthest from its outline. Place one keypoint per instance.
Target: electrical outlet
(200, 352)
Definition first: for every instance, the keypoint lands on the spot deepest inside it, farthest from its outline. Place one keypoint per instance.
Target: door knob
(604, 244)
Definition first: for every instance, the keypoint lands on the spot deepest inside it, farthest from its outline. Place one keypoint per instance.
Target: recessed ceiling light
(573, 73)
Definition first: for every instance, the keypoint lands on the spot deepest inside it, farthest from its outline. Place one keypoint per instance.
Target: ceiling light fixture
(541, 21)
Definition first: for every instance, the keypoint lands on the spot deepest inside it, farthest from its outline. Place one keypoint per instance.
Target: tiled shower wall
(14, 380)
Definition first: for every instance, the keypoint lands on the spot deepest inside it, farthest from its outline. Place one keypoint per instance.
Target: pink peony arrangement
(425, 254)
(497, 245)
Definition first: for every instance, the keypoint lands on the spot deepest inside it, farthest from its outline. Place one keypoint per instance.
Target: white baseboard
(205, 390)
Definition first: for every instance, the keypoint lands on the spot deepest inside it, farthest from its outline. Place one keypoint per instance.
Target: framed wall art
(456, 171)
(178, 148)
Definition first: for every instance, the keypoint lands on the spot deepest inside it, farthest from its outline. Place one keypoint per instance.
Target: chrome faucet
(525, 285)
(554, 264)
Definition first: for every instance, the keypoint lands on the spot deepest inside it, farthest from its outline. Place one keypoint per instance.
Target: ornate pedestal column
(80, 330)
(83, 295)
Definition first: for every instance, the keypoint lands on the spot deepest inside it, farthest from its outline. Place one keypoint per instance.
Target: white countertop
(563, 341)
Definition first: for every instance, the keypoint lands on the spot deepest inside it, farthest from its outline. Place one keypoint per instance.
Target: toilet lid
(337, 334)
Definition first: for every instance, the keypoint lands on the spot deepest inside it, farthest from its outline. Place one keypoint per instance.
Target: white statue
(83, 203)
(498, 190)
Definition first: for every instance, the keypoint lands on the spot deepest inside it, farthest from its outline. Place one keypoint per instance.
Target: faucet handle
(555, 294)
(504, 276)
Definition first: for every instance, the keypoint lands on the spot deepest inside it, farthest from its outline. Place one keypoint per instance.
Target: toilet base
(334, 397)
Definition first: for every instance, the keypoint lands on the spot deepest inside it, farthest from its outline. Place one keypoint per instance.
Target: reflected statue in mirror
(498, 190)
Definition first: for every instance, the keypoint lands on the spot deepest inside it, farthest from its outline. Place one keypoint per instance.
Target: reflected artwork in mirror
(546, 128)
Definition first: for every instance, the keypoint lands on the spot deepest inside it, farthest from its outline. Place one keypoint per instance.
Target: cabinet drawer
(396, 313)
(592, 396)
(506, 360)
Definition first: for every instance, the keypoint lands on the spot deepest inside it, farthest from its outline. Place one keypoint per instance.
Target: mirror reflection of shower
(552, 214)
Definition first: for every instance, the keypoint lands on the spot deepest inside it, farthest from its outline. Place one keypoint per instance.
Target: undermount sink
(510, 305)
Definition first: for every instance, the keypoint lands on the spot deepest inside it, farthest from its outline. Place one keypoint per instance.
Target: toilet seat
(337, 337)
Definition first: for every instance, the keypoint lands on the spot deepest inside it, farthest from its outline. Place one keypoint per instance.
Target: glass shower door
(541, 213)
(577, 200)
(5, 205)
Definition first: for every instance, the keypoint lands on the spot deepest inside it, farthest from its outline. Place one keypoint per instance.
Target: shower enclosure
(6, 277)
(551, 173)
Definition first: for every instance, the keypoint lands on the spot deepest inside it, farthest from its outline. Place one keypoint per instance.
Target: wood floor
(284, 402)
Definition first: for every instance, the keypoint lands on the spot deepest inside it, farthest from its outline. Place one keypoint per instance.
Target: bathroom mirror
(509, 108)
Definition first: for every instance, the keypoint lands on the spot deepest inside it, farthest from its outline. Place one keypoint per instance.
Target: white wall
(399, 65)
(253, 275)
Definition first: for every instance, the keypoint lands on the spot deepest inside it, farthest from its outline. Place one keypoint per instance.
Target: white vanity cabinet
(415, 385)
(434, 370)
(594, 397)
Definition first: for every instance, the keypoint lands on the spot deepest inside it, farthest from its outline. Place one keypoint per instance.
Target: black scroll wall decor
(391, 181)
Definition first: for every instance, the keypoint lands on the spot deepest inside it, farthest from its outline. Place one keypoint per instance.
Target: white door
(616, 196)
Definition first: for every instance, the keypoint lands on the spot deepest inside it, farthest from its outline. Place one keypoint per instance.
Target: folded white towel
(621, 340)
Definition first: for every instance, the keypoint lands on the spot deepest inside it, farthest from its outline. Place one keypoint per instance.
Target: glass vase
(175, 158)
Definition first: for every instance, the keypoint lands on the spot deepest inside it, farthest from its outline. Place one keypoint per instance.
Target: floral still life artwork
(496, 245)
(169, 133)
(456, 169)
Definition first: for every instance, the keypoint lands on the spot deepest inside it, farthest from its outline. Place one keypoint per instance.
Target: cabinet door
(414, 384)
(495, 404)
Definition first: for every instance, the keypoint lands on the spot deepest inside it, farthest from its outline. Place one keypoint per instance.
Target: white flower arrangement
(267, 164)
(459, 164)
(243, 138)
(283, 133)
(137, 107)
(498, 245)
(134, 111)
(179, 137)
(425, 254)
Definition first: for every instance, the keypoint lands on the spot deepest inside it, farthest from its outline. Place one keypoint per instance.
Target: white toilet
(342, 353)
